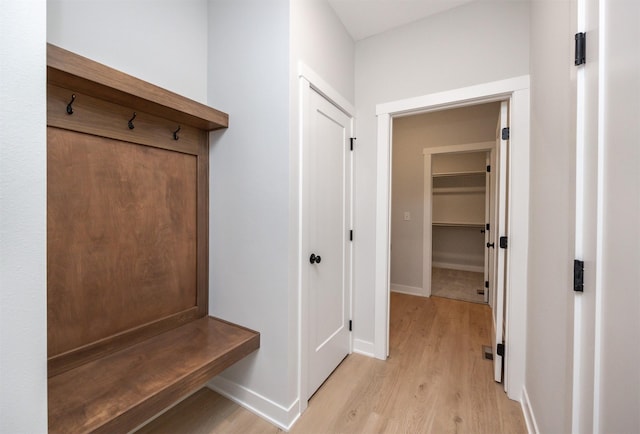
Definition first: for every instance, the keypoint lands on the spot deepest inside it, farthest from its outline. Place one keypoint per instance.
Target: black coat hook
(131, 126)
(69, 106)
(175, 133)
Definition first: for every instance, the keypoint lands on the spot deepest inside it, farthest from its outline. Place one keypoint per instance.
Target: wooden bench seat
(118, 392)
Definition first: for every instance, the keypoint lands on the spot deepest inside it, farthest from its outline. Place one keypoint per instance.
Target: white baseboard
(363, 347)
(461, 267)
(529, 418)
(280, 416)
(404, 289)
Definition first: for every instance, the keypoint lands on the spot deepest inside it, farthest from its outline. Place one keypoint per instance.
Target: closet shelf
(467, 173)
(458, 224)
(458, 190)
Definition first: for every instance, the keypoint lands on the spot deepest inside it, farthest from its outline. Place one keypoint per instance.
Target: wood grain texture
(127, 246)
(121, 237)
(72, 71)
(101, 118)
(97, 117)
(202, 225)
(119, 392)
(103, 347)
(435, 381)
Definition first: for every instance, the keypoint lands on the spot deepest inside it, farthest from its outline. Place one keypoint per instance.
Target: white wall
(616, 356)
(163, 42)
(249, 228)
(619, 317)
(319, 39)
(458, 248)
(551, 244)
(411, 134)
(255, 47)
(472, 44)
(23, 243)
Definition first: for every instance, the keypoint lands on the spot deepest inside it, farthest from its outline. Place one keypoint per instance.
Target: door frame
(427, 220)
(308, 81)
(516, 91)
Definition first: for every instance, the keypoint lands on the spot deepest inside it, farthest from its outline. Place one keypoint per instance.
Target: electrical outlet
(407, 216)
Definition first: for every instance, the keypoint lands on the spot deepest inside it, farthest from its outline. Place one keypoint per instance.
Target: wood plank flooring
(435, 381)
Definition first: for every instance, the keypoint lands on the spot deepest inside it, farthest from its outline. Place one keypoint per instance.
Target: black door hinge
(351, 235)
(488, 168)
(350, 325)
(500, 350)
(351, 140)
(506, 133)
(488, 226)
(504, 241)
(581, 49)
(486, 283)
(578, 275)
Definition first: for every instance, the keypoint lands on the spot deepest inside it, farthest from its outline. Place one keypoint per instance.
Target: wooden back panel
(121, 237)
(127, 223)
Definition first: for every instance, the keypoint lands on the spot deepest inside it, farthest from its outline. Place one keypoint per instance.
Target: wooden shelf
(79, 74)
(458, 224)
(458, 190)
(468, 173)
(119, 392)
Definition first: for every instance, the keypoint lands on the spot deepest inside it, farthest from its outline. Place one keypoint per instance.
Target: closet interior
(459, 207)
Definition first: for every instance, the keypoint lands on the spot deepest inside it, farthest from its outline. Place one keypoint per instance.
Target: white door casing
(326, 177)
(587, 226)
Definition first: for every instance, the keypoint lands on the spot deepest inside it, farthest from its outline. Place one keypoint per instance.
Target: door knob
(315, 259)
(491, 245)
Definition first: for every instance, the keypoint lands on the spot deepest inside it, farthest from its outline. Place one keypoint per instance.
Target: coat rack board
(127, 247)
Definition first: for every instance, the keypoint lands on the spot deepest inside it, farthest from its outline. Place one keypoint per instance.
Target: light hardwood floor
(435, 381)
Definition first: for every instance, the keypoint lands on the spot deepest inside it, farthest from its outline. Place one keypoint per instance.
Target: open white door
(488, 260)
(500, 236)
(491, 233)
(326, 245)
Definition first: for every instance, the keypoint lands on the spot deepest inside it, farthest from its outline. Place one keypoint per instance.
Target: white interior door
(491, 233)
(326, 243)
(501, 257)
(487, 229)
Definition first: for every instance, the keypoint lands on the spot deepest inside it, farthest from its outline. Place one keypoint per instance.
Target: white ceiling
(364, 18)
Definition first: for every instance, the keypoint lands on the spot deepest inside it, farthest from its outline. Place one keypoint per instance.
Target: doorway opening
(515, 91)
(464, 206)
(441, 206)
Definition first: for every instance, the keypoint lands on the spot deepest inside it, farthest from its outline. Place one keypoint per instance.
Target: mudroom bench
(128, 326)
